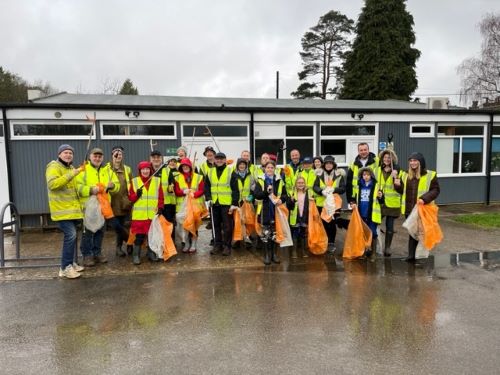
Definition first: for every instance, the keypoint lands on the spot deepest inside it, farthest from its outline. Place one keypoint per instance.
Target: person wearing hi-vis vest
(167, 177)
(417, 186)
(292, 170)
(242, 183)
(146, 195)
(65, 207)
(218, 195)
(188, 182)
(365, 158)
(90, 182)
(329, 180)
(368, 200)
(298, 206)
(269, 192)
(385, 173)
(119, 201)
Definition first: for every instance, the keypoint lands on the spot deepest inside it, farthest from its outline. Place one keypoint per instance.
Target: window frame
(15, 137)
(144, 123)
(461, 137)
(432, 133)
(349, 138)
(493, 136)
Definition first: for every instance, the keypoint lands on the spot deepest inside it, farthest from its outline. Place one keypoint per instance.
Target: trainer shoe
(69, 272)
(77, 267)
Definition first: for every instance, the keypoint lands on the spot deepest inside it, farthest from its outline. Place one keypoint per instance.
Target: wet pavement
(224, 315)
(309, 317)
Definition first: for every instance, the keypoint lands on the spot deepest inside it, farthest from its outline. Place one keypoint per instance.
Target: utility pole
(277, 84)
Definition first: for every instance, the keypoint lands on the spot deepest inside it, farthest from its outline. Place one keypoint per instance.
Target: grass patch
(480, 220)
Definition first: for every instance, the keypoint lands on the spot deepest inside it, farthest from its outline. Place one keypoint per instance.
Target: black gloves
(139, 192)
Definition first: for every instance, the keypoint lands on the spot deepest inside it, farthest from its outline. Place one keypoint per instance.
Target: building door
(4, 177)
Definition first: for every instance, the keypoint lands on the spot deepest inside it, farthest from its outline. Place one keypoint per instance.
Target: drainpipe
(489, 142)
(6, 137)
(251, 130)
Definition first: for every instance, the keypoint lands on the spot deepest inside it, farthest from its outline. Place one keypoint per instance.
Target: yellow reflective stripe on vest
(424, 185)
(259, 202)
(220, 187)
(392, 198)
(145, 207)
(169, 197)
(320, 198)
(355, 177)
(195, 182)
(244, 188)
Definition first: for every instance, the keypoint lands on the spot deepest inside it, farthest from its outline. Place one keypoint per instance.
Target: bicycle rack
(18, 258)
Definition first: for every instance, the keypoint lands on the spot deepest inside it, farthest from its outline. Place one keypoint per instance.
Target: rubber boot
(274, 254)
(152, 256)
(294, 249)
(387, 244)
(130, 248)
(303, 248)
(267, 254)
(136, 255)
(119, 251)
(373, 248)
(194, 243)
(412, 248)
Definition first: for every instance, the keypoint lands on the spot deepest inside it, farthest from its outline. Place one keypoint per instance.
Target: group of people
(374, 185)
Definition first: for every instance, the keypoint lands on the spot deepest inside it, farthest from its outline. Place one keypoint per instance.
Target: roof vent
(437, 103)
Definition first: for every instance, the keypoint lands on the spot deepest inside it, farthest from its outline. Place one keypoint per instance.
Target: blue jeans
(68, 227)
(92, 242)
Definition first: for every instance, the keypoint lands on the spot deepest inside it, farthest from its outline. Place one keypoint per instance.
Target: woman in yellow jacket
(64, 206)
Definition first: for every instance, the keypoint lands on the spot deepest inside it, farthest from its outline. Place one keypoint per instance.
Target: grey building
(462, 145)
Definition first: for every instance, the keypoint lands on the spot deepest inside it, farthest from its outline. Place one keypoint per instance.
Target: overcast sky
(209, 48)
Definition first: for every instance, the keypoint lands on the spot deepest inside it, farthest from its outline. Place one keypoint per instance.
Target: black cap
(220, 155)
(207, 149)
(418, 156)
(155, 153)
(307, 160)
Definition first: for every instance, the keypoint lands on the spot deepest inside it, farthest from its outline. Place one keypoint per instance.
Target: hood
(185, 161)
(388, 151)
(418, 156)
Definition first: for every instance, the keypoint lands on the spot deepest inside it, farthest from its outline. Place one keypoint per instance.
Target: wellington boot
(152, 256)
(136, 255)
(293, 252)
(387, 244)
(119, 251)
(412, 249)
(274, 255)
(267, 254)
(303, 247)
(373, 252)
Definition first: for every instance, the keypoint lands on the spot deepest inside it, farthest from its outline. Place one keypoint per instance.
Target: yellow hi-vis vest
(244, 187)
(145, 207)
(310, 177)
(355, 177)
(64, 203)
(205, 168)
(169, 197)
(221, 187)
(392, 198)
(424, 185)
(295, 211)
(320, 198)
(262, 184)
(91, 176)
(195, 182)
(291, 178)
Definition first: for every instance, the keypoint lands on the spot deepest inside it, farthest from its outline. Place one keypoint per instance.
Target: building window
(204, 130)
(495, 150)
(421, 130)
(268, 138)
(460, 150)
(50, 130)
(341, 141)
(113, 130)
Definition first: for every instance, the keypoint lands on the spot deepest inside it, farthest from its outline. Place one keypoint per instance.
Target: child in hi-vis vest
(298, 204)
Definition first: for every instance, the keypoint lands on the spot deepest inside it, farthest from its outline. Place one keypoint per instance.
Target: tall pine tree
(381, 64)
(128, 88)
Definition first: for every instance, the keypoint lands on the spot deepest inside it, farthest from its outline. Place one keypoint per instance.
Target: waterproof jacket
(241, 187)
(64, 203)
(352, 175)
(425, 188)
(265, 208)
(339, 185)
(91, 177)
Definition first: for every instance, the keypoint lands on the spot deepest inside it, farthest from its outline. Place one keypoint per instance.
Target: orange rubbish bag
(357, 238)
(238, 225)
(433, 234)
(104, 202)
(168, 244)
(248, 216)
(195, 211)
(317, 239)
(283, 233)
(333, 202)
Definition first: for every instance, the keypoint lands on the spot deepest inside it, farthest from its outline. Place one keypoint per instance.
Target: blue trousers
(92, 242)
(68, 227)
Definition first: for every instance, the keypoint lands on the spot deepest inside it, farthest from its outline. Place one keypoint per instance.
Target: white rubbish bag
(93, 219)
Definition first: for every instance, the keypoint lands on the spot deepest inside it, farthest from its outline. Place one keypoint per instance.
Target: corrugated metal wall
(404, 145)
(29, 159)
(495, 188)
(462, 190)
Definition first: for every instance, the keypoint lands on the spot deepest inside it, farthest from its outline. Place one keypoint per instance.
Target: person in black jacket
(270, 192)
(242, 183)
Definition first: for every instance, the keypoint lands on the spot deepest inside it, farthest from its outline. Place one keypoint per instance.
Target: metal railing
(15, 221)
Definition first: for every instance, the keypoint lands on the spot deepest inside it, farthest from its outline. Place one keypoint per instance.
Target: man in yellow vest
(218, 195)
(418, 186)
(167, 177)
(366, 159)
(208, 164)
(65, 207)
(90, 182)
(292, 170)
